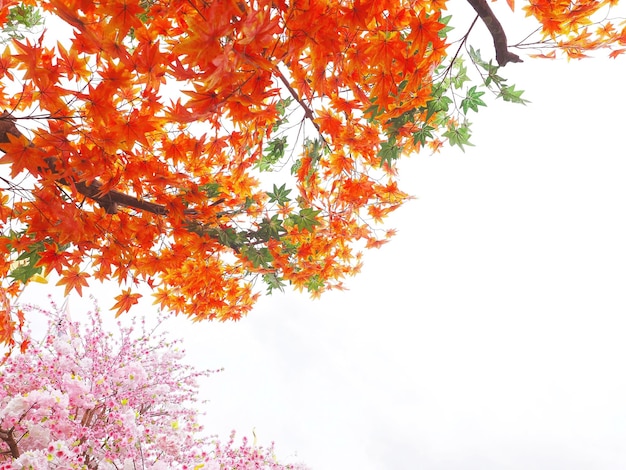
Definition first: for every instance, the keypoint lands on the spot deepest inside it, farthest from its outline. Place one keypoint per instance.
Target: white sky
(487, 335)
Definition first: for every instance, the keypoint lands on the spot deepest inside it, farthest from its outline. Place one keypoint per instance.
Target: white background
(488, 335)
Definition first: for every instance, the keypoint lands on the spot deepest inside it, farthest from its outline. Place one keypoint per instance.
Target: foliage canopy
(134, 149)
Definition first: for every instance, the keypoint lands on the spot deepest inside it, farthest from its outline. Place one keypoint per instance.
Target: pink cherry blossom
(85, 398)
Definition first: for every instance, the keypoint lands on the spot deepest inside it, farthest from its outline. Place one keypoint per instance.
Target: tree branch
(308, 112)
(9, 440)
(109, 200)
(503, 55)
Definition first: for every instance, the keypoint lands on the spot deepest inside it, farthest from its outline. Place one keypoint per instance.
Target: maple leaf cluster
(178, 104)
(138, 147)
(577, 28)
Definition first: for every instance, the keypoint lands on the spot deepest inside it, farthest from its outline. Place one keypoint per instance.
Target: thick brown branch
(109, 200)
(7, 126)
(503, 55)
(9, 439)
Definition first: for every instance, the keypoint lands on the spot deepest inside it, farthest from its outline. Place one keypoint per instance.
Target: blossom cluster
(85, 398)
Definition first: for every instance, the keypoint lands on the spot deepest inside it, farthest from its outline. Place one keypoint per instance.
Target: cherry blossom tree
(85, 398)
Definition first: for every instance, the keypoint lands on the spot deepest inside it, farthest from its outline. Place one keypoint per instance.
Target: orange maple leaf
(74, 278)
(125, 301)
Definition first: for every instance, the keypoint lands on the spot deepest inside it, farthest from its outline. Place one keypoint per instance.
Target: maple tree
(83, 397)
(139, 147)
